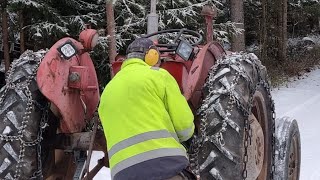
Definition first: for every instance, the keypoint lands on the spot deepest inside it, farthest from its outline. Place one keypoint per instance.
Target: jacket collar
(131, 61)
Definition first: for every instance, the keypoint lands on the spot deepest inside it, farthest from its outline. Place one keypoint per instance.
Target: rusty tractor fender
(70, 83)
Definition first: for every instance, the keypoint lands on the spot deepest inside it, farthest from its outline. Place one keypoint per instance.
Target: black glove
(187, 143)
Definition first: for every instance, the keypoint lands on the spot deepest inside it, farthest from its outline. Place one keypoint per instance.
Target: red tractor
(49, 130)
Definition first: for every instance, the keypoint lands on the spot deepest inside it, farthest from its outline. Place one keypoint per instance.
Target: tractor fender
(71, 85)
(199, 71)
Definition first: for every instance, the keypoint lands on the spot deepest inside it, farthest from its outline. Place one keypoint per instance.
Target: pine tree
(53, 19)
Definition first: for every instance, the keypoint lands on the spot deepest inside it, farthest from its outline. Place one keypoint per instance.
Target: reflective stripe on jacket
(144, 116)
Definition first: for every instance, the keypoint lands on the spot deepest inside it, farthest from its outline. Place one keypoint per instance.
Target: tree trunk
(111, 31)
(283, 10)
(263, 31)
(5, 36)
(274, 31)
(21, 24)
(237, 16)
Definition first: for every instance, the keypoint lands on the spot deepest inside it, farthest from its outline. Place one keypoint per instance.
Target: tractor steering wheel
(173, 47)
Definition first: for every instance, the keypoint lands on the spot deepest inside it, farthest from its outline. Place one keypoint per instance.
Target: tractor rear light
(94, 41)
(67, 50)
(89, 38)
(184, 50)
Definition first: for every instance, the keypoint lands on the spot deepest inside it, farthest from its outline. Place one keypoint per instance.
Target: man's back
(138, 122)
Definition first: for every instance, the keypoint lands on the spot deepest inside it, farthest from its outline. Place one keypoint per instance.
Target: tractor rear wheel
(234, 138)
(24, 114)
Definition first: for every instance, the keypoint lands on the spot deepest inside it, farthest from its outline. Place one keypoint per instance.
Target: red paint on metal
(120, 57)
(190, 75)
(71, 100)
(200, 68)
(86, 37)
(178, 71)
(79, 73)
(116, 67)
(209, 12)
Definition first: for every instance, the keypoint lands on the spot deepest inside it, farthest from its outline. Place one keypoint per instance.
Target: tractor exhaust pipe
(210, 13)
(153, 20)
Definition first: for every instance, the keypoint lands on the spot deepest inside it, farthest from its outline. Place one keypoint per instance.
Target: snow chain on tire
(23, 113)
(229, 73)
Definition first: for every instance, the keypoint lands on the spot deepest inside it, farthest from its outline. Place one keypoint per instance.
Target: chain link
(247, 128)
(43, 125)
(199, 140)
(10, 85)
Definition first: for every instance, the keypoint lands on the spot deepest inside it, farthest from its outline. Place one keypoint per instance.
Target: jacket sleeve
(178, 109)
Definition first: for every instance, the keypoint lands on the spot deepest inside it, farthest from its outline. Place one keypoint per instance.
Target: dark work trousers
(184, 175)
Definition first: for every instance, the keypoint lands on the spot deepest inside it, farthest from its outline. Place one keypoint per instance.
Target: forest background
(285, 34)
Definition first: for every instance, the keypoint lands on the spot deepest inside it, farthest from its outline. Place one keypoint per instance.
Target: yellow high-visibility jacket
(145, 117)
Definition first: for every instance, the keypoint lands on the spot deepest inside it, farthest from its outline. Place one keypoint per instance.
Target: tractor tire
(24, 113)
(288, 148)
(236, 87)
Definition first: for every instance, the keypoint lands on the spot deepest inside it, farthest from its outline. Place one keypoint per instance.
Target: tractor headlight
(184, 50)
(67, 50)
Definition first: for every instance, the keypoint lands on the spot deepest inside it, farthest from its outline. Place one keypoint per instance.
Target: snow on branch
(79, 4)
(189, 7)
(223, 31)
(183, 12)
(84, 19)
(43, 28)
(27, 3)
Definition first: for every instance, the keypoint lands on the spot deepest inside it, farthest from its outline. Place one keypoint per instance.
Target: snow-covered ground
(103, 174)
(299, 99)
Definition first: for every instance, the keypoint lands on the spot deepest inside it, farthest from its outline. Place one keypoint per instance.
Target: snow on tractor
(51, 96)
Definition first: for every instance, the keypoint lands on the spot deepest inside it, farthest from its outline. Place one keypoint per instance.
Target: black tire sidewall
(291, 130)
